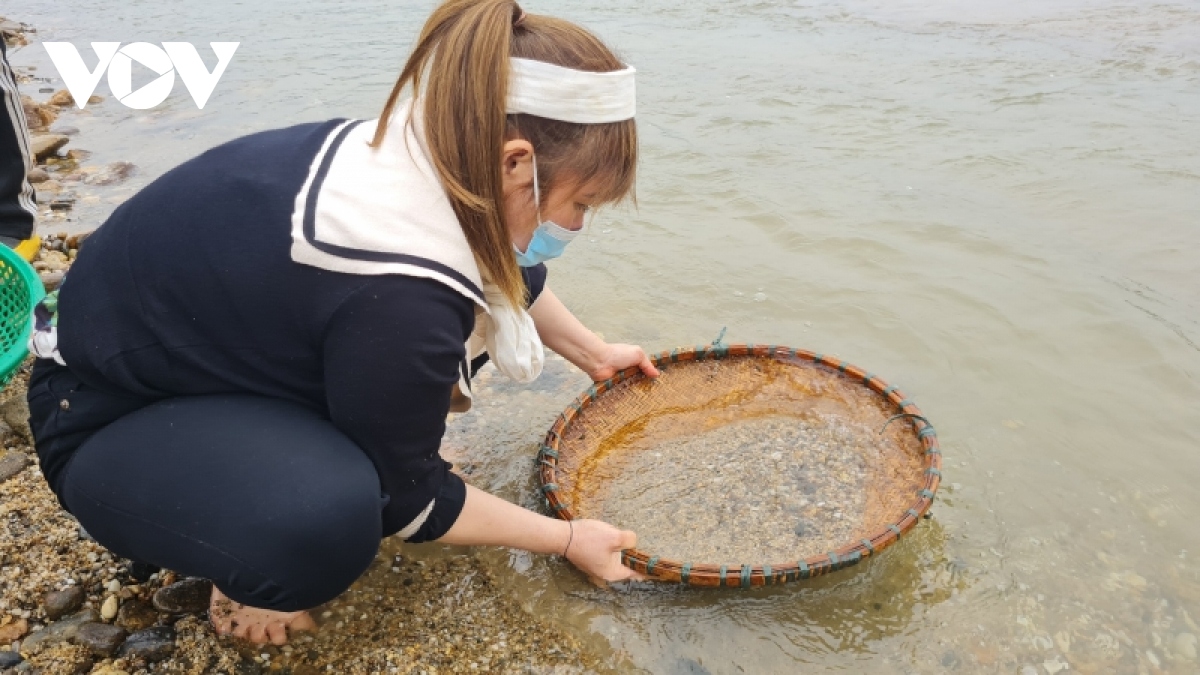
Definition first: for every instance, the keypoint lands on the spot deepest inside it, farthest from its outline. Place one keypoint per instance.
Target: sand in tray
(757, 487)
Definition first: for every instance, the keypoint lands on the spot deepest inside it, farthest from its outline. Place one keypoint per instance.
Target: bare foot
(259, 626)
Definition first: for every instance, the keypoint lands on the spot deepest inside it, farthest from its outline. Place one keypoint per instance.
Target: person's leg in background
(18, 205)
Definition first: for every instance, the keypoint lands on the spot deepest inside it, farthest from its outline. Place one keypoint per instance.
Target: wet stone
(13, 463)
(189, 596)
(136, 615)
(152, 644)
(59, 631)
(102, 639)
(58, 604)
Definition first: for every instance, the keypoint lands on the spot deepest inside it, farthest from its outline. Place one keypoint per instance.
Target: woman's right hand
(596, 547)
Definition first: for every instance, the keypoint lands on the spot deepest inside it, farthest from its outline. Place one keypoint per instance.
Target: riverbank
(69, 607)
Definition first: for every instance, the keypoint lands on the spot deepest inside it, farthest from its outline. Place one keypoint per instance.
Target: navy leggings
(265, 497)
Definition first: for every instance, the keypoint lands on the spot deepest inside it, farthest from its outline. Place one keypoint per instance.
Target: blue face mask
(549, 240)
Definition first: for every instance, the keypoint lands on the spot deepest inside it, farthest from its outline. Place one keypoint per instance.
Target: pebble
(152, 644)
(108, 611)
(59, 631)
(9, 659)
(1055, 665)
(1184, 646)
(38, 175)
(189, 596)
(748, 507)
(13, 463)
(62, 99)
(136, 615)
(112, 586)
(58, 604)
(47, 145)
(102, 639)
(14, 631)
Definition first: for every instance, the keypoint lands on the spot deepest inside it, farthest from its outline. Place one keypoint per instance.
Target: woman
(252, 360)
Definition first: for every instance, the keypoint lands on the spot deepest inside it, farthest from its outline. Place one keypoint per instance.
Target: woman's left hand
(617, 357)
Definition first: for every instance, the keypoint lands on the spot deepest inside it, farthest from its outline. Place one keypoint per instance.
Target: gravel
(772, 489)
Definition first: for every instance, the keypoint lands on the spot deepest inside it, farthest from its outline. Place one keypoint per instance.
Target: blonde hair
(460, 66)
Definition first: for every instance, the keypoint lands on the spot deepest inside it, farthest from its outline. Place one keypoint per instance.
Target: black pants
(17, 205)
(265, 497)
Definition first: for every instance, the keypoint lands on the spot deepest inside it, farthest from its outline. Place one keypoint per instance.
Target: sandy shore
(67, 606)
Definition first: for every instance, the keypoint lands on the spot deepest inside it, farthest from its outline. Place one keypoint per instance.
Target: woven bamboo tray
(696, 573)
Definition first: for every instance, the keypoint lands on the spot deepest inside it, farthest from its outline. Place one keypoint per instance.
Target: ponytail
(460, 67)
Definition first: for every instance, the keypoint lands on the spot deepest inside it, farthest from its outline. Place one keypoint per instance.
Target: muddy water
(992, 204)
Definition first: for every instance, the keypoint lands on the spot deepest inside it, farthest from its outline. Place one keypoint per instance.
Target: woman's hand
(614, 358)
(595, 549)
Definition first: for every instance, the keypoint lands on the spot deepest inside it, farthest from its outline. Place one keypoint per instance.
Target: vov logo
(171, 58)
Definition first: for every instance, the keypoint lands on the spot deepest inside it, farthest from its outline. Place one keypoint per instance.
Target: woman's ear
(516, 165)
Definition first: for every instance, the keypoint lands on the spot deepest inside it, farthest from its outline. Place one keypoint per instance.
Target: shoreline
(69, 607)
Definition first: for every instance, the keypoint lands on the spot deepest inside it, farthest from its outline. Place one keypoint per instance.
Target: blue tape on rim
(896, 529)
(842, 366)
(767, 574)
(686, 573)
(804, 571)
(869, 545)
(868, 377)
(724, 569)
(745, 576)
(651, 565)
(926, 432)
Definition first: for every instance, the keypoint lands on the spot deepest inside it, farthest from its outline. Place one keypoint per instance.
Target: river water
(995, 205)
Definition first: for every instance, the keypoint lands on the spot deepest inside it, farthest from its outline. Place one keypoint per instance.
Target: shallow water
(994, 205)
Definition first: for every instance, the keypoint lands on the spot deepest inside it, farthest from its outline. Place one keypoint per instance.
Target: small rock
(152, 644)
(189, 596)
(1055, 665)
(11, 464)
(109, 670)
(78, 155)
(49, 185)
(58, 604)
(38, 117)
(108, 175)
(74, 241)
(48, 145)
(108, 611)
(38, 175)
(52, 280)
(59, 631)
(136, 615)
(14, 631)
(95, 98)
(9, 659)
(65, 131)
(101, 638)
(1184, 646)
(15, 411)
(62, 203)
(62, 99)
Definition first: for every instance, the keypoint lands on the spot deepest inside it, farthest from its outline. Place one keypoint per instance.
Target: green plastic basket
(20, 291)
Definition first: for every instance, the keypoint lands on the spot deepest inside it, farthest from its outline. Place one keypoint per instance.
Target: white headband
(580, 96)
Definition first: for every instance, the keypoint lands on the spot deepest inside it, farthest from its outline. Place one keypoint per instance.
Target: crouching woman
(246, 374)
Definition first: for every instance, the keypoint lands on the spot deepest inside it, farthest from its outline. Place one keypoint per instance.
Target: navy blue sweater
(189, 288)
